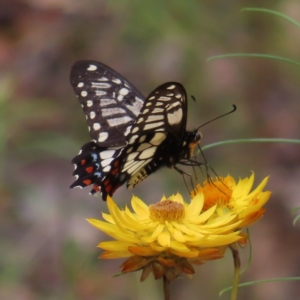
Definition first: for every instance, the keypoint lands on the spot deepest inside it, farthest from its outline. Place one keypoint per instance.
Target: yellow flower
(166, 237)
(230, 196)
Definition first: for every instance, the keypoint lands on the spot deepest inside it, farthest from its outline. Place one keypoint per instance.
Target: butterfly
(132, 136)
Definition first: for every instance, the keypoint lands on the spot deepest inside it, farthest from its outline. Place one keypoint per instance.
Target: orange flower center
(215, 192)
(167, 211)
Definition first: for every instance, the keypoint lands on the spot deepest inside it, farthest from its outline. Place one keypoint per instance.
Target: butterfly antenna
(228, 113)
(193, 98)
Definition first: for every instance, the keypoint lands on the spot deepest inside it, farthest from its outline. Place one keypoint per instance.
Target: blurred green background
(47, 249)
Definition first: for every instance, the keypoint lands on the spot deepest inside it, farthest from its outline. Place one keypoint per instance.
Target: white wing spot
(102, 136)
(171, 87)
(107, 154)
(153, 125)
(157, 110)
(89, 128)
(106, 162)
(123, 91)
(146, 111)
(89, 103)
(148, 104)
(100, 93)
(100, 85)
(107, 168)
(92, 68)
(154, 118)
(163, 98)
(103, 79)
(84, 93)
(151, 98)
(118, 121)
(80, 84)
(135, 129)
(127, 130)
(158, 139)
(132, 156)
(106, 112)
(147, 153)
(144, 146)
(96, 126)
(116, 80)
(140, 120)
(77, 186)
(92, 115)
(175, 117)
(132, 139)
(129, 150)
(142, 139)
(107, 102)
(178, 96)
(173, 105)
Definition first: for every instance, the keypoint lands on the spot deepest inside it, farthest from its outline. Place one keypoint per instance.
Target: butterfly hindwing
(111, 104)
(92, 164)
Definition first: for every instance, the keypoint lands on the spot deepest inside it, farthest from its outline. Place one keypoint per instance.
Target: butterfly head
(191, 140)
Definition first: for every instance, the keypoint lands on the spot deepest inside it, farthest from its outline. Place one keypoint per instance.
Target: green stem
(255, 140)
(166, 288)
(237, 267)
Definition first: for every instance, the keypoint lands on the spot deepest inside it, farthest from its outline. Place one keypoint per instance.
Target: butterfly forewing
(165, 109)
(161, 122)
(111, 104)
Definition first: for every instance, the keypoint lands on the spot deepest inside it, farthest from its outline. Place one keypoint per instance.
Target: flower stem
(166, 288)
(237, 267)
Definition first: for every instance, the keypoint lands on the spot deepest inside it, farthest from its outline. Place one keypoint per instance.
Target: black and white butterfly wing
(159, 127)
(111, 104)
(164, 110)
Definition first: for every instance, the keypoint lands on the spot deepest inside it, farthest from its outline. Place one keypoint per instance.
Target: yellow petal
(115, 254)
(115, 245)
(195, 206)
(164, 239)
(139, 207)
(179, 246)
(204, 216)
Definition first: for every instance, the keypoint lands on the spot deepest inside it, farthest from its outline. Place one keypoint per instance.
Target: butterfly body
(132, 137)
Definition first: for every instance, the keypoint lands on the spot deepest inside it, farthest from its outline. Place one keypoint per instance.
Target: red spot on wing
(106, 182)
(116, 163)
(89, 169)
(108, 188)
(82, 162)
(115, 171)
(96, 188)
(87, 182)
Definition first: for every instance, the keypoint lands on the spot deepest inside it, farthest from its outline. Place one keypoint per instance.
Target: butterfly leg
(184, 179)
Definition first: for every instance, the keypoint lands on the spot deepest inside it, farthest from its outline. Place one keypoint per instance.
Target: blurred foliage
(47, 249)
